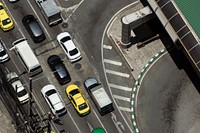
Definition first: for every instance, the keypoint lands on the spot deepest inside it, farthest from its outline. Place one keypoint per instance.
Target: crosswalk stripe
(120, 87)
(124, 109)
(107, 47)
(117, 73)
(122, 98)
(113, 62)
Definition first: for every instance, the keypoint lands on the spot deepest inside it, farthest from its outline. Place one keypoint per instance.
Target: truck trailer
(50, 11)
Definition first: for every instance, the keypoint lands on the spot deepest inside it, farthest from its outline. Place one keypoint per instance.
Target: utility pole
(30, 96)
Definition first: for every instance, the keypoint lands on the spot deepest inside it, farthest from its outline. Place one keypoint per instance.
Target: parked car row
(57, 105)
(96, 91)
(49, 92)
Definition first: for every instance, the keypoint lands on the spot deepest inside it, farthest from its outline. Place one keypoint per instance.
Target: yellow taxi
(77, 99)
(6, 21)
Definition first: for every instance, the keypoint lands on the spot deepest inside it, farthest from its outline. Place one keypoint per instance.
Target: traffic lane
(170, 101)
(154, 92)
(79, 71)
(91, 22)
(18, 10)
(123, 78)
(50, 32)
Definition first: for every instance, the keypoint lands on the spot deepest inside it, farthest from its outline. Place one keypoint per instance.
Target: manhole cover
(78, 66)
(65, 25)
(78, 83)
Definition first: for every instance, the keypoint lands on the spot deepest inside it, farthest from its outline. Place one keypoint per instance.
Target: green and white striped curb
(137, 86)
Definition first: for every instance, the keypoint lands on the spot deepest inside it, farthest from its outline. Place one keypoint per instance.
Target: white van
(27, 56)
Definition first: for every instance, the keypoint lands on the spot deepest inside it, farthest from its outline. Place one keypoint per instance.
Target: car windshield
(74, 92)
(64, 39)
(6, 21)
(73, 52)
(82, 106)
(50, 92)
(21, 93)
(2, 53)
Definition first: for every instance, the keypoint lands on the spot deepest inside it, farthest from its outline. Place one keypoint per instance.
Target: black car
(34, 29)
(59, 69)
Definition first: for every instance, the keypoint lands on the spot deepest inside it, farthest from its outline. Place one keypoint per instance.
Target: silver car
(54, 100)
(14, 80)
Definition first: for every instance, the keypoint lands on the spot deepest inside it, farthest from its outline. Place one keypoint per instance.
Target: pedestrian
(57, 120)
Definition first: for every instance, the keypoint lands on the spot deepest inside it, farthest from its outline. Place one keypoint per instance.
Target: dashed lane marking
(118, 73)
(124, 109)
(122, 98)
(112, 62)
(107, 47)
(120, 87)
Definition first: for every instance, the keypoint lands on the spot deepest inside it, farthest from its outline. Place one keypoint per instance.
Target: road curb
(137, 87)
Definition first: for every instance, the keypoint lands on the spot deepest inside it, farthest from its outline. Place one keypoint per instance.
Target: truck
(99, 96)
(50, 11)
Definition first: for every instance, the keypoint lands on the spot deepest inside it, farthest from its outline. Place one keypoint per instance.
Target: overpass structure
(181, 20)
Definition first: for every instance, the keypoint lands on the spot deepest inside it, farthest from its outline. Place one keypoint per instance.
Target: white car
(22, 94)
(3, 52)
(72, 52)
(54, 100)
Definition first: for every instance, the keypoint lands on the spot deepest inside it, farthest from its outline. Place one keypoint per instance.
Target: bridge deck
(191, 10)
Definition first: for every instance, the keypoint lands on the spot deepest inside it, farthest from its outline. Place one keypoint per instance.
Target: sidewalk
(138, 59)
(6, 125)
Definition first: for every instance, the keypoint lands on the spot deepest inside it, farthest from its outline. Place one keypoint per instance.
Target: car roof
(61, 70)
(68, 44)
(79, 98)
(3, 13)
(55, 99)
(35, 28)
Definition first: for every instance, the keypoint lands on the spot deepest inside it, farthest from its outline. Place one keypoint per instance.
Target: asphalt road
(168, 101)
(83, 28)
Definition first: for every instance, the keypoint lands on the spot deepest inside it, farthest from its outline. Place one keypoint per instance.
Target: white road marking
(74, 122)
(113, 62)
(107, 47)
(122, 98)
(120, 87)
(124, 109)
(68, 9)
(99, 120)
(74, 10)
(118, 73)
(118, 124)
